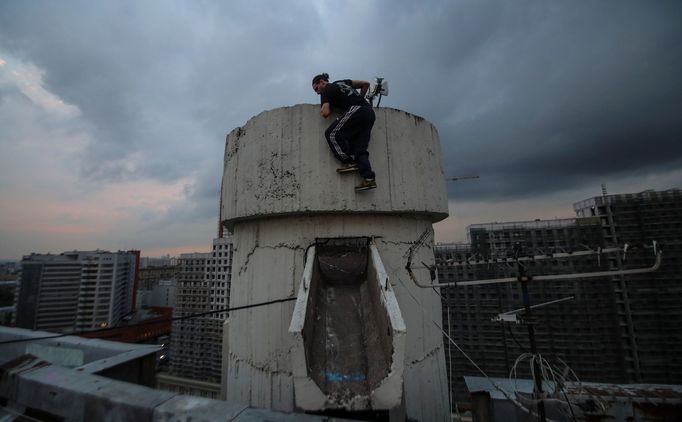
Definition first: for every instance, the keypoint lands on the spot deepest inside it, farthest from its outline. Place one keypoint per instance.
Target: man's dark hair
(319, 77)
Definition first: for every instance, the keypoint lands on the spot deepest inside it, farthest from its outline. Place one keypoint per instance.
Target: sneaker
(366, 185)
(347, 168)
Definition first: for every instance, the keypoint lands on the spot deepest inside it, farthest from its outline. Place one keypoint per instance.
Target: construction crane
(456, 178)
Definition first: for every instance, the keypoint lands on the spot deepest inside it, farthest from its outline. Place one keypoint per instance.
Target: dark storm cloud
(156, 78)
(160, 84)
(587, 95)
(533, 96)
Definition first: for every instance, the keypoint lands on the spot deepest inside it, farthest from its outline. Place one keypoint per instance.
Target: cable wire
(446, 335)
(142, 323)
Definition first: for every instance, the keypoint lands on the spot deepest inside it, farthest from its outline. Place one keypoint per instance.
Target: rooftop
(74, 378)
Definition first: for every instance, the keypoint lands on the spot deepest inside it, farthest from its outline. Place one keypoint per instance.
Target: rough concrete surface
(280, 194)
(269, 254)
(280, 163)
(36, 389)
(349, 332)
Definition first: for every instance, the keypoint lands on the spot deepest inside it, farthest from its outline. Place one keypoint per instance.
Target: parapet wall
(279, 163)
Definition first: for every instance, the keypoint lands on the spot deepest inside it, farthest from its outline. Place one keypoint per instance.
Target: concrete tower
(361, 335)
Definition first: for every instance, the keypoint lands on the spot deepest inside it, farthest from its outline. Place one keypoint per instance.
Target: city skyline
(113, 116)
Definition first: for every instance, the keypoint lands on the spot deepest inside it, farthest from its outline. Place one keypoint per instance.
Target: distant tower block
(360, 335)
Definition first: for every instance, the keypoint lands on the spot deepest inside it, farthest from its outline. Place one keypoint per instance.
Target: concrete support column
(280, 194)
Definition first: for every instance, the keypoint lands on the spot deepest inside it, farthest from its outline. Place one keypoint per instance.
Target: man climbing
(348, 135)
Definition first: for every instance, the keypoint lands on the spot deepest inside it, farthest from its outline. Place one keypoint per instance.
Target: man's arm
(362, 85)
(325, 110)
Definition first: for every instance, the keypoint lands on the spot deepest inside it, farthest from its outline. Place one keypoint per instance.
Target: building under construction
(616, 329)
(203, 287)
(648, 306)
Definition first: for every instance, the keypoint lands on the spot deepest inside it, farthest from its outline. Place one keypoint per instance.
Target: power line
(427, 315)
(77, 333)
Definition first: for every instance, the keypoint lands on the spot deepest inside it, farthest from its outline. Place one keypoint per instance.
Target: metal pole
(530, 323)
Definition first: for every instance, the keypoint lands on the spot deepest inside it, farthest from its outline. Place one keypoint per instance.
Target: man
(348, 135)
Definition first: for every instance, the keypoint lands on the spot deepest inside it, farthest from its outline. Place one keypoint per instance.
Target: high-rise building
(163, 294)
(615, 329)
(76, 291)
(648, 306)
(579, 331)
(203, 286)
(150, 276)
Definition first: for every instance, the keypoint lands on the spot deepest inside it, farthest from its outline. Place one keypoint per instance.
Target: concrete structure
(282, 196)
(150, 276)
(161, 262)
(189, 336)
(76, 291)
(218, 276)
(126, 362)
(163, 294)
(188, 386)
(618, 329)
(647, 307)
(75, 379)
(582, 331)
(203, 286)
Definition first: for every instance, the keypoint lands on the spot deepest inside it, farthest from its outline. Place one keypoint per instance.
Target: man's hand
(325, 110)
(363, 85)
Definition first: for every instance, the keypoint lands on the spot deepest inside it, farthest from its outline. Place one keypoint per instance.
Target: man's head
(319, 82)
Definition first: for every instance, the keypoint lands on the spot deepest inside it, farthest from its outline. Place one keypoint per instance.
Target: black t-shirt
(340, 94)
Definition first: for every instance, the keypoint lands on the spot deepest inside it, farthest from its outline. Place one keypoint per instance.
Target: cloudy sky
(113, 115)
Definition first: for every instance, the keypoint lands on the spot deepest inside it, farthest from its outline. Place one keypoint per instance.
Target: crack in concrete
(280, 245)
(263, 368)
(426, 356)
(248, 258)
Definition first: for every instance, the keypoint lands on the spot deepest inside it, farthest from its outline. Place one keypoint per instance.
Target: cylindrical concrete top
(279, 163)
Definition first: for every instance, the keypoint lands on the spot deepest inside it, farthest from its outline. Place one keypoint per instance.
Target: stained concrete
(349, 348)
(31, 386)
(280, 195)
(279, 163)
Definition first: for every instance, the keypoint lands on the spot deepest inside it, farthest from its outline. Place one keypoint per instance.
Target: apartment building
(150, 276)
(203, 286)
(75, 291)
(615, 329)
(648, 306)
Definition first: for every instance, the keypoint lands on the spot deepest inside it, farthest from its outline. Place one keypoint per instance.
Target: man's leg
(358, 146)
(337, 135)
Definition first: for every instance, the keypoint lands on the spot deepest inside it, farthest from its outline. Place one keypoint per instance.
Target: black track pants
(348, 138)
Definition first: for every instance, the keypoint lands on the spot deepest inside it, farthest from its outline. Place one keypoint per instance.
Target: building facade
(615, 329)
(648, 306)
(163, 294)
(203, 286)
(76, 291)
(150, 276)
(580, 331)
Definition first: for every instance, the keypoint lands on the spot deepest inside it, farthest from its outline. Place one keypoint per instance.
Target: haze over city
(113, 115)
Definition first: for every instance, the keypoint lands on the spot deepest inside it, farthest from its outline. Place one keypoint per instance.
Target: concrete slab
(196, 409)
